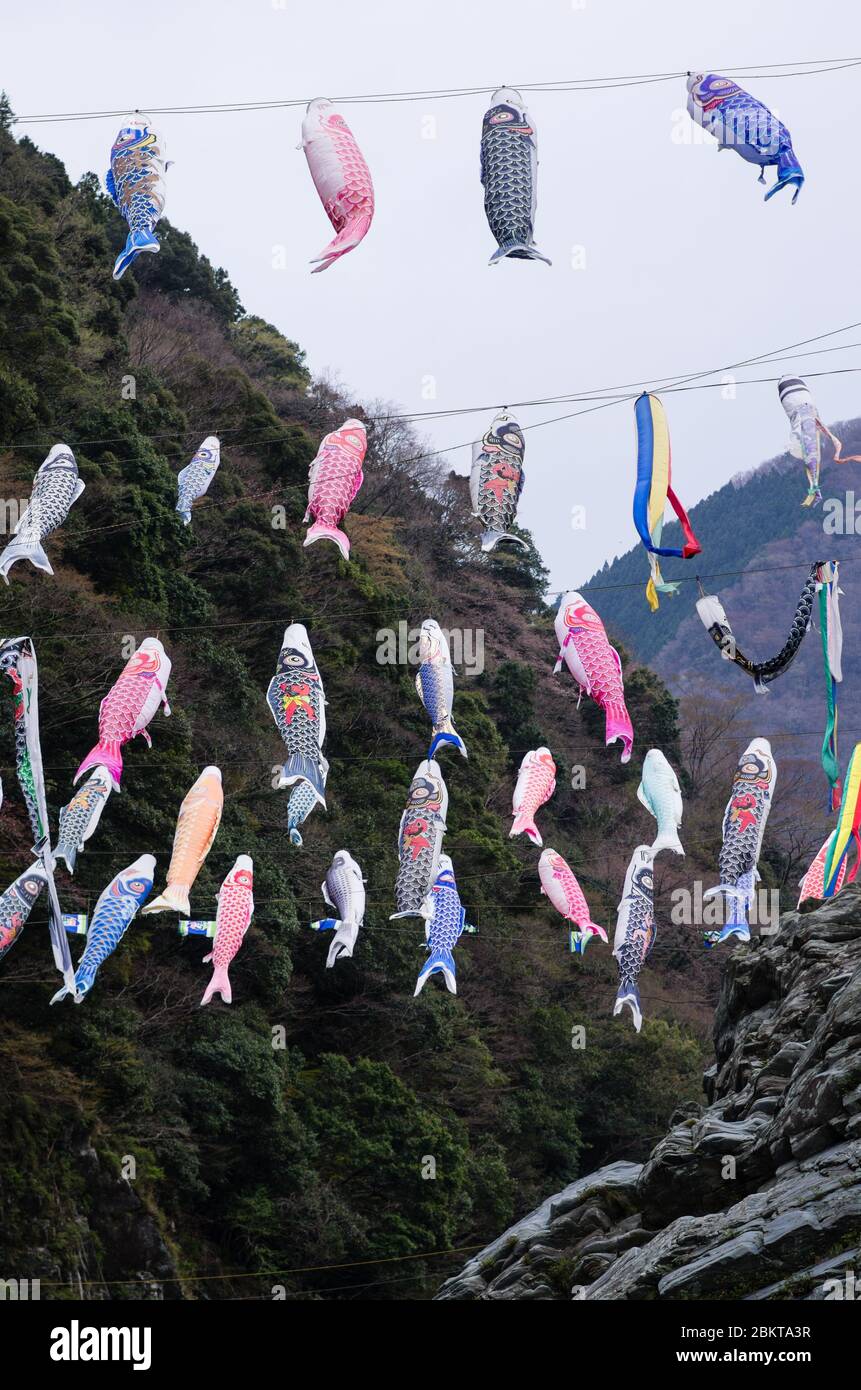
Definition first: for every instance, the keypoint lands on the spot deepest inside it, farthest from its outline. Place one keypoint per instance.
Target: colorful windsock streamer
(847, 831)
(652, 492)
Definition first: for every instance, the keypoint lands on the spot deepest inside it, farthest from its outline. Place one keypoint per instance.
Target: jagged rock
(749, 1197)
(609, 1191)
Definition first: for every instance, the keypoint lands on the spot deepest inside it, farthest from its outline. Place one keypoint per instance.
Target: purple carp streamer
(740, 122)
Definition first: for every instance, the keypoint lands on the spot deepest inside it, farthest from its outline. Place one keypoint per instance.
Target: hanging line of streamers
(716, 623)
(652, 492)
(846, 831)
(18, 661)
(832, 652)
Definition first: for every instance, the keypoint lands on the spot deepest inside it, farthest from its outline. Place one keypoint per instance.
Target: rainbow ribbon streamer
(847, 829)
(653, 491)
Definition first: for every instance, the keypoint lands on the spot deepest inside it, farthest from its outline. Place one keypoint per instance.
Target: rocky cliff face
(757, 1194)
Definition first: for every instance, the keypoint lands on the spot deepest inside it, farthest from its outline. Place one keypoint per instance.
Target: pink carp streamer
(560, 885)
(128, 707)
(232, 920)
(341, 177)
(335, 478)
(595, 665)
(536, 783)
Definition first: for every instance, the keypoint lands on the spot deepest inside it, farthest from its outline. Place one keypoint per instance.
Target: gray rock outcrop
(755, 1195)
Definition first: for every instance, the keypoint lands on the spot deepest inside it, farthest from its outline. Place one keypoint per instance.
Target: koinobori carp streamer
(343, 889)
(420, 838)
(743, 828)
(740, 122)
(660, 793)
(509, 173)
(298, 705)
(334, 479)
(79, 818)
(341, 177)
(559, 883)
(193, 481)
(18, 662)
(112, 917)
(536, 783)
(128, 708)
(594, 664)
(496, 481)
(17, 903)
(444, 929)
(196, 827)
(716, 623)
(135, 182)
(435, 686)
(232, 920)
(806, 432)
(635, 931)
(813, 883)
(56, 487)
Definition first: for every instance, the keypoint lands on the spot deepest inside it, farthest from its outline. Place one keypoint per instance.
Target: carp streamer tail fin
(298, 768)
(619, 726)
(519, 250)
(24, 548)
(447, 733)
(106, 753)
(136, 242)
(442, 961)
(629, 996)
(789, 172)
(342, 942)
(669, 839)
(347, 240)
(525, 825)
(173, 899)
(219, 984)
(320, 532)
(491, 539)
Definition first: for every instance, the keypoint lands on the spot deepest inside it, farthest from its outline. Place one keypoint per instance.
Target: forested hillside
(290, 1131)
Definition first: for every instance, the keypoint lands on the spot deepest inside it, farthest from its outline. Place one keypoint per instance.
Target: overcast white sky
(685, 266)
